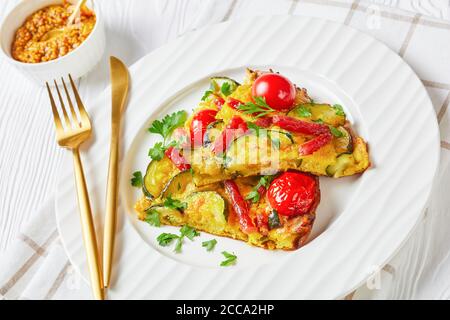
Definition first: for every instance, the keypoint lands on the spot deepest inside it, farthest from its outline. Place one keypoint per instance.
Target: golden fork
(71, 135)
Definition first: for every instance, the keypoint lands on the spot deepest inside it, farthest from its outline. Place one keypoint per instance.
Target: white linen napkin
(36, 266)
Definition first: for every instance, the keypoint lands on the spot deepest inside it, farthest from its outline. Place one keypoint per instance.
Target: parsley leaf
(254, 195)
(152, 217)
(209, 245)
(230, 259)
(189, 232)
(174, 204)
(336, 132)
(339, 110)
(157, 152)
(136, 180)
(206, 94)
(226, 89)
(304, 112)
(258, 109)
(169, 123)
(164, 239)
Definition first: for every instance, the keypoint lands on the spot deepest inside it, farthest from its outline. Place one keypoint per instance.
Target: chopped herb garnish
(206, 94)
(174, 204)
(169, 123)
(152, 217)
(189, 232)
(191, 170)
(157, 152)
(303, 112)
(230, 259)
(226, 89)
(264, 181)
(258, 109)
(164, 239)
(336, 132)
(339, 110)
(209, 245)
(136, 180)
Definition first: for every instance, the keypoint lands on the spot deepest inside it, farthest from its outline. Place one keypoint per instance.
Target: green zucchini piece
(157, 175)
(274, 220)
(285, 138)
(343, 144)
(206, 206)
(217, 85)
(177, 185)
(324, 112)
(213, 130)
(342, 162)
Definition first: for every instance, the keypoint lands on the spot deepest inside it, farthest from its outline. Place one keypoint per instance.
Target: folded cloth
(36, 267)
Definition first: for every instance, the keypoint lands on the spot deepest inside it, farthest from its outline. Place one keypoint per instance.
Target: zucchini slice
(213, 130)
(206, 208)
(342, 162)
(343, 144)
(218, 82)
(317, 112)
(157, 175)
(177, 185)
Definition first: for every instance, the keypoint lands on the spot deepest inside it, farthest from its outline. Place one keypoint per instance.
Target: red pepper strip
(262, 221)
(218, 101)
(315, 144)
(264, 122)
(261, 191)
(178, 160)
(234, 103)
(234, 129)
(239, 207)
(299, 126)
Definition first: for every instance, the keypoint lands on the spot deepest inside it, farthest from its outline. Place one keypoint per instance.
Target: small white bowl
(77, 62)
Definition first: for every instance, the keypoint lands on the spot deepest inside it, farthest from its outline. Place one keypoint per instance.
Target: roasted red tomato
(278, 90)
(293, 193)
(199, 123)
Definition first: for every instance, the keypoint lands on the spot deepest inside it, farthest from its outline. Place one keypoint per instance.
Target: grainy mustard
(30, 47)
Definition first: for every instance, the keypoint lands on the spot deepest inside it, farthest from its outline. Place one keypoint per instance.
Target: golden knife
(119, 91)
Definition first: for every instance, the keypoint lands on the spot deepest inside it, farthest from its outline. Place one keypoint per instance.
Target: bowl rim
(98, 21)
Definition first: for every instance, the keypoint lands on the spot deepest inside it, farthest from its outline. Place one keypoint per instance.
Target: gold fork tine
(83, 113)
(56, 118)
(72, 110)
(63, 107)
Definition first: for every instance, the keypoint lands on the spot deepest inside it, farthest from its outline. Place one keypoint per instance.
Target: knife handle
(111, 207)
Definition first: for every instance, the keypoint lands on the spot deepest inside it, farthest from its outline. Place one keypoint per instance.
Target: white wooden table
(29, 156)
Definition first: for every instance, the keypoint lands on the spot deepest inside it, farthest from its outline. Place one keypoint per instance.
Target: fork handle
(88, 229)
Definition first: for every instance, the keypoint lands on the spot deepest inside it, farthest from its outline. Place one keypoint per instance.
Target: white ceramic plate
(361, 221)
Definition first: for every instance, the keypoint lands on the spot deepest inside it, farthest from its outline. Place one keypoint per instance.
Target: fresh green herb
(191, 170)
(157, 152)
(226, 89)
(258, 109)
(209, 245)
(189, 232)
(230, 259)
(264, 181)
(164, 239)
(152, 217)
(303, 112)
(136, 180)
(335, 132)
(178, 245)
(339, 110)
(169, 123)
(174, 204)
(206, 94)
(274, 220)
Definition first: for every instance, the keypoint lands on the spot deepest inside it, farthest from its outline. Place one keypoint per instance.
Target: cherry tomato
(278, 90)
(293, 193)
(199, 123)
